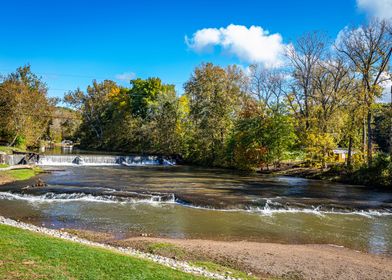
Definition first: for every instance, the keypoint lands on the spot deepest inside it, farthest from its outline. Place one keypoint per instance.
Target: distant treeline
(324, 97)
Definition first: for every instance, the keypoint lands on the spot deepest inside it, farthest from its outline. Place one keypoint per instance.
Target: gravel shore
(285, 261)
(179, 265)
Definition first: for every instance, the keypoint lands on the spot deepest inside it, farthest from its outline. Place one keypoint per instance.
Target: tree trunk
(369, 140)
(363, 146)
(13, 141)
(349, 154)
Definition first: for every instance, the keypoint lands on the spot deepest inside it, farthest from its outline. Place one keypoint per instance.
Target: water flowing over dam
(90, 160)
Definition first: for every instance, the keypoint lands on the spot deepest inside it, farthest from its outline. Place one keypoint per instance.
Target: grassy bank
(7, 176)
(171, 251)
(9, 150)
(26, 255)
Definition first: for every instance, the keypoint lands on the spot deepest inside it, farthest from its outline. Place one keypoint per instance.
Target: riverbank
(264, 260)
(375, 176)
(307, 173)
(25, 254)
(9, 174)
(9, 150)
(31, 252)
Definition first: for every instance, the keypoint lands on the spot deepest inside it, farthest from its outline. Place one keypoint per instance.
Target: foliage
(63, 124)
(143, 95)
(24, 108)
(93, 107)
(382, 127)
(379, 173)
(214, 95)
(319, 148)
(260, 139)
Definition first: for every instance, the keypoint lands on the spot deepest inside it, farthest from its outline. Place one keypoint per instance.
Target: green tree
(25, 109)
(369, 48)
(144, 93)
(93, 105)
(260, 138)
(214, 96)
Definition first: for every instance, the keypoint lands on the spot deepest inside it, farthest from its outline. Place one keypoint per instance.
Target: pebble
(169, 262)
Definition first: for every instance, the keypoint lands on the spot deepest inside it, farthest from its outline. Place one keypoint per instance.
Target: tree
(214, 97)
(93, 106)
(267, 86)
(304, 57)
(145, 92)
(166, 121)
(260, 138)
(369, 49)
(25, 109)
(332, 82)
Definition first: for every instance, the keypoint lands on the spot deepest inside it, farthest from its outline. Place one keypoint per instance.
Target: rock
(40, 184)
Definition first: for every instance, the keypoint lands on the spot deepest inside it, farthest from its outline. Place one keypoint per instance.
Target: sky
(70, 43)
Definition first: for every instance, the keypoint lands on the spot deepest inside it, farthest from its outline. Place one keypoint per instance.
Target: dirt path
(5, 179)
(287, 261)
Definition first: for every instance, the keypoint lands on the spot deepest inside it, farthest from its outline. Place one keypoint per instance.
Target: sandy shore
(282, 260)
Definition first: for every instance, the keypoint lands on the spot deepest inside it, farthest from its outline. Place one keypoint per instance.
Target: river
(192, 202)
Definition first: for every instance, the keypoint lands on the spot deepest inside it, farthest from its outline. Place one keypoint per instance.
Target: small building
(341, 154)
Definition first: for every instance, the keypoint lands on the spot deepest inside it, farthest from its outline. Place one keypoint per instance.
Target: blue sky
(69, 43)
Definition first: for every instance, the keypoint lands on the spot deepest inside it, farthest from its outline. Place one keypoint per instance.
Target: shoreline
(171, 263)
(264, 260)
(13, 173)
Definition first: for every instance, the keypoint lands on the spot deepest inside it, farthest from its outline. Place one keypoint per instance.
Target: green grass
(223, 270)
(27, 255)
(19, 174)
(166, 249)
(9, 150)
(3, 165)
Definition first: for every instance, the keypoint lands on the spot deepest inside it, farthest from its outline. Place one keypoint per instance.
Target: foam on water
(270, 208)
(72, 197)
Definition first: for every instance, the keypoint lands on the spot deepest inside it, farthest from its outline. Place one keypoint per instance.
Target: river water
(191, 202)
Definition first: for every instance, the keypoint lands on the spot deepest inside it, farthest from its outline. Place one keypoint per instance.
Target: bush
(379, 173)
(20, 142)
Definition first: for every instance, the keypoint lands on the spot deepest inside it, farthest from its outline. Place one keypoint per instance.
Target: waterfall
(101, 160)
(13, 159)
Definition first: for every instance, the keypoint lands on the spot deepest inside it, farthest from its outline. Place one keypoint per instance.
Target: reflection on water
(177, 201)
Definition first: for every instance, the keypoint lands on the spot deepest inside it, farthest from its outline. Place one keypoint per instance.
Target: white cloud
(126, 77)
(387, 85)
(376, 8)
(253, 44)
